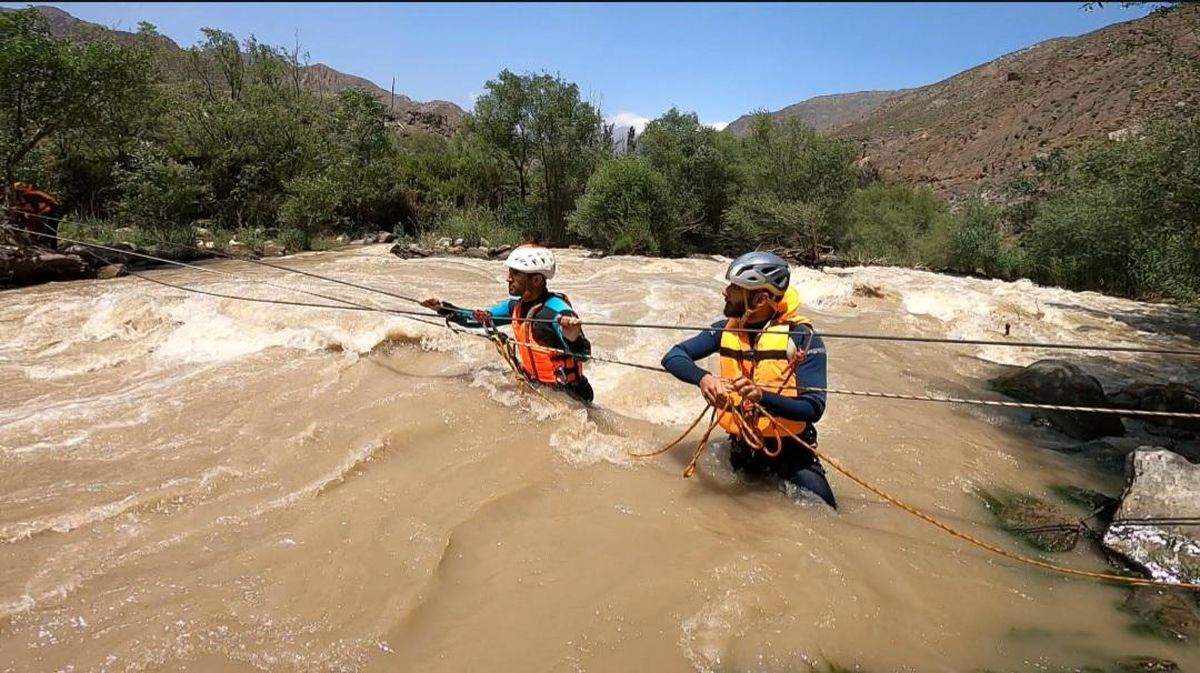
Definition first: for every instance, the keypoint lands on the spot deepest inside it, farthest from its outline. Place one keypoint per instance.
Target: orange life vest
(767, 363)
(552, 368)
(32, 207)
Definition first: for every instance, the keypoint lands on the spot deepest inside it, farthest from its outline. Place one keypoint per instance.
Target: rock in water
(1042, 525)
(1159, 484)
(1157, 397)
(1059, 382)
(111, 271)
(409, 251)
(1170, 614)
(1146, 665)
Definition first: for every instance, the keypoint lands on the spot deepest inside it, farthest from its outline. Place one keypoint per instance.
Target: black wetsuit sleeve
(681, 359)
(549, 334)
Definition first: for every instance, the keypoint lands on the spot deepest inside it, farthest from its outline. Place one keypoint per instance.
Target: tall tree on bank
(501, 119)
(698, 163)
(552, 139)
(54, 86)
(570, 137)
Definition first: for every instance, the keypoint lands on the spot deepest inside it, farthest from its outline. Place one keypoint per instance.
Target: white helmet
(532, 259)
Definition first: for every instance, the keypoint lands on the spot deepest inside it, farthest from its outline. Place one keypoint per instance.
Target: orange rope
(1140, 581)
(673, 444)
(509, 359)
(748, 432)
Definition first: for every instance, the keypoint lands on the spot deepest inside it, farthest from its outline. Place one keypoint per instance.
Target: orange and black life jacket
(543, 366)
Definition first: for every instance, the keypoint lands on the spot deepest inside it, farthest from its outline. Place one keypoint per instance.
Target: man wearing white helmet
(538, 317)
(772, 359)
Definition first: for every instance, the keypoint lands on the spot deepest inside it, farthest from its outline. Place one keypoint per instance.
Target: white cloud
(720, 126)
(637, 121)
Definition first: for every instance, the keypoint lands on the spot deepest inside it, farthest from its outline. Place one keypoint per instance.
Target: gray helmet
(760, 271)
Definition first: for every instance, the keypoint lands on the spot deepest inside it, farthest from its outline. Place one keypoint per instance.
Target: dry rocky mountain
(437, 116)
(441, 116)
(823, 112)
(990, 121)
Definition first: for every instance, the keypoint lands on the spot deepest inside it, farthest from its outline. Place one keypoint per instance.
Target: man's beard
(735, 308)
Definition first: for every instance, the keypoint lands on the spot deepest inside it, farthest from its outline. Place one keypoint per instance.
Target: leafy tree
(539, 125)
(764, 221)
(698, 163)
(502, 119)
(53, 87)
(792, 163)
(569, 138)
(159, 194)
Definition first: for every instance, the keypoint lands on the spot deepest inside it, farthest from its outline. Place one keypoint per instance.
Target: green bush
(978, 245)
(1127, 220)
(627, 208)
(311, 205)
(900, 225)
(474, 226)
(764, 221)
(159, 194)
(293, 239)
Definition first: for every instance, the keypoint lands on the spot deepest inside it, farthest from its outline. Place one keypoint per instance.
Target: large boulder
(97, 257)
(22, 266)
(1160, 484)
(1063, 383)
(237, 248)
(385, 237)
(1159, 397)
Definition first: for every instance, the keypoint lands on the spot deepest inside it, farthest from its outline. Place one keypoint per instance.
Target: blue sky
(720, 60)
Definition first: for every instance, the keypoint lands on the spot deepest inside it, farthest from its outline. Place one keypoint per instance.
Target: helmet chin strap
(746, 308)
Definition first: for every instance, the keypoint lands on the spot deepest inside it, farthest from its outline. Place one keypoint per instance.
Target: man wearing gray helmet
(771, 356)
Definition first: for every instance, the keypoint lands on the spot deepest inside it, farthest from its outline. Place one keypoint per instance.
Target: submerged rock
(1108, 455)
(1045, 526)
(409, 251)
(1063, 383)
(1146, 665)
(1172, 614)
(1103, 506)
(874, 291)
(1160, 484)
